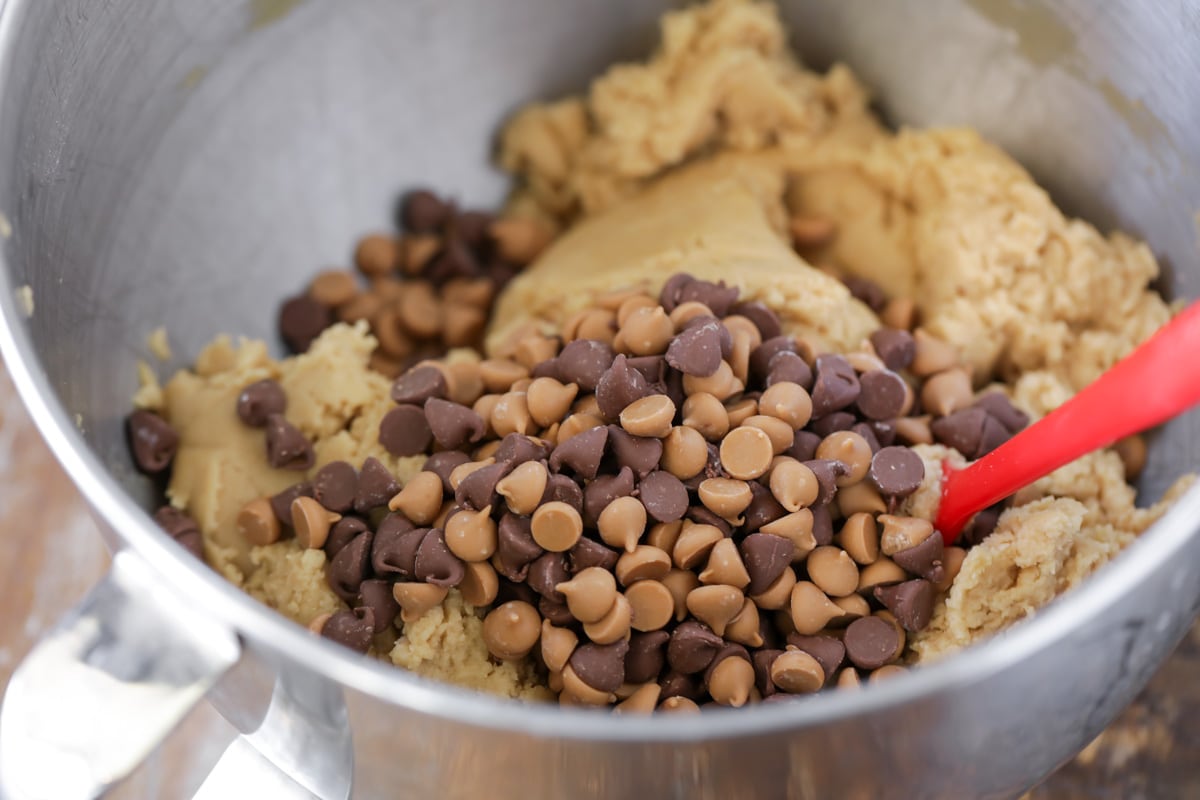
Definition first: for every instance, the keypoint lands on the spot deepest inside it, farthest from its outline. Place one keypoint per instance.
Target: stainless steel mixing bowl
(187, 162)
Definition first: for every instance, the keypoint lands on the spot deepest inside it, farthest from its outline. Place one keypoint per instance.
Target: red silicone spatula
(1157, 381)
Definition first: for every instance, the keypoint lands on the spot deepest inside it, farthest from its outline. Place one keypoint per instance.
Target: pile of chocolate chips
(673, 505)
(428, 289)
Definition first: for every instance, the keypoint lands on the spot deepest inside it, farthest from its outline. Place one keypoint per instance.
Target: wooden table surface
(50, 555)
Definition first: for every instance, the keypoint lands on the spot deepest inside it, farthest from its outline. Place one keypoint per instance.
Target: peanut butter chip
(781, 434)
(858, 498)
(649, 416)
(311, 521)
(811, 608)
(651, 603)
(471, 535)
(787, 401)
(779, 594)
(641, 701)
(744, 628)
(722, 384)
(851, 450)
(833, 571)
(797, 672)
(725, 566)
(522, 489)
(746, 453)
(914, 430)
(680, 583)
(881, 572)
(931, 355)
(952, 561)
(725, 497)
(416, 599)
(793, 484)
(511, 414)
(257, 522)
(947, 392)
(707, 415)
(421, 498)
(378, 254)
(622, 523)
(557, 645)
(511, 630)
(647, 331)
(685, 452)
(556, 526)
(480, 584)
(739, 411)
(519, 240)
(859, 537)
(796, 527)
(590, 594)
(678, 704)
(731, 681)
(715, 606)
(613, 626)
(333, 287)
(902, 533)
(548, 400)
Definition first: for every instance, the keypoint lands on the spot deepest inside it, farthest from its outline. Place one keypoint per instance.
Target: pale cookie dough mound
(723, 79)
(950, 220)
(291, 580)
(333, 398)
(720, 219)
(447, 643)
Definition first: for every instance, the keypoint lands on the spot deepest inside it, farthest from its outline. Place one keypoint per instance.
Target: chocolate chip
(581, 453)
(994, 434)
(827, 471)
(602, 491)
(403, 431)
(832, 423)
(287, 447)
(377, 596)
(600, 666)
(924, 559)
(193, 542)
(590, 553)
(353, 629)
(508, 591)
(175, 522)
(341, 534)
(789, 367)
(677, 684)
(584, 361)
(762, 661)
(436, 564)
(394, 550)
(760, 356)
(473, 226)
(547, 571)
(152, 440)
(911, 602)
(558, 613)
(896, 471)
(335, 486)
(515, 547)
(865, 430)
(766, 320)
(766, 556)
(454, 260)
(424, 212)
(669, 297)
(822, 528)
(871, 642)
(692, 647)
(646, 656)
(883, 394)
(971, 431)
(804, 446)
(351, 564)
(652, 368)
(885, 432)
(702, 516)
(867, 292)
(619, 386)
(440, 464)
(1003, 411)
(564, 490)
(281, 503)
(673, 387)
(697, 349)
(260, 400)
(453, 425)
(835, 386)
(829, 652)
(546, 369)
(978, 529)
(763, 508)
(302, 319)
(418, 385)
(664, 496)
(717, 296)
(516, 449)
(640, 453)
(895, 348)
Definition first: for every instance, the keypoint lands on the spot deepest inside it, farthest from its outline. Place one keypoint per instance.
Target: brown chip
(640, 454)
(581, 453)
(511, 630)
(952, 561)
(601, 667)
(153, 441)
(697, 349)
(260, 400)
(911, 602)
(664, 496)
(835, 387)
(896, 348)
(436, 564)
(353, 629)
(403, 431)
(765, 557)
(789, 367)
(871, 642)
(584, 361)
(619, 386)
(884, 395)
(746, 453)
(896, 471)
(419, 384)
(257, 523)
(301, 320)
(287, 447)
(335, 486)
(692, 647)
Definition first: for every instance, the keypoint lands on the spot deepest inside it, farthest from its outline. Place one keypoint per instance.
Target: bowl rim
(267, 628)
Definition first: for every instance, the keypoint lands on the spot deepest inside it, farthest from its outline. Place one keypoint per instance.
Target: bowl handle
(98, 693)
